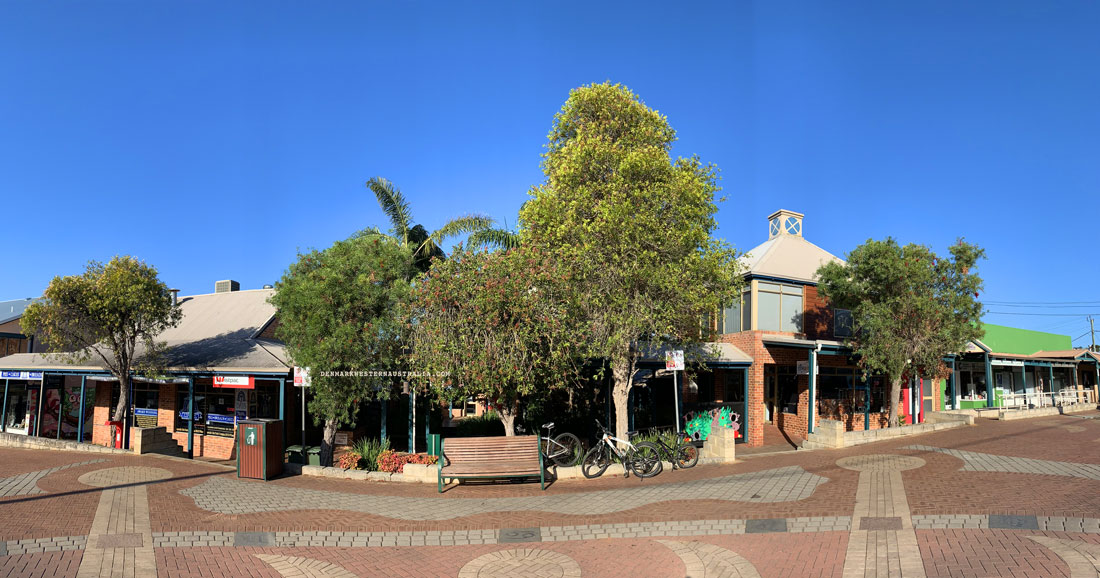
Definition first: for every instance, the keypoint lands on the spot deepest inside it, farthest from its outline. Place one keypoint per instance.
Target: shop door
(928, 391)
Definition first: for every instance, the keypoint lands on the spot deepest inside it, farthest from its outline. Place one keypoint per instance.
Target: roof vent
(226, 286)
(175, 296)
(784, 222)
(269, 286)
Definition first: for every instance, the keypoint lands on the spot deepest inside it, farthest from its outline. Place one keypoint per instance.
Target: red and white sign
(301, 376)
(674, 360)
(235, 381)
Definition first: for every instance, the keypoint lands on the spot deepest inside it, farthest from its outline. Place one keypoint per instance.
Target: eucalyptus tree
(632, 227)
(910, 307)
(113, 313)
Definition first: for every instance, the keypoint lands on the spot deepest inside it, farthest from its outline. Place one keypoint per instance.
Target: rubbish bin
(433, 444)
(116, 430)
(259, 448)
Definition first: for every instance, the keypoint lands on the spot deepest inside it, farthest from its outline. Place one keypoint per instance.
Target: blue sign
(20, 375)
(214, 418)
(185, 415)
(143, 411)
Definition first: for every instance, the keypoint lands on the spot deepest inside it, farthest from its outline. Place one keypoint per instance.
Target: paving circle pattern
(124, 475)
(880, 463)
(521, 563)
(298, 567)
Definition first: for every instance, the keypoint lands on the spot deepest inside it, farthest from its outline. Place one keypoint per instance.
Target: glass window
(792, 313)
(144, 403)
(746, 311)
(731, 318)
(767, 311)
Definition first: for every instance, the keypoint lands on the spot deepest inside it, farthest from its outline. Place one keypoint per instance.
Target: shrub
(368, 450)
(394, 462)
(348, 460)
(487, 424)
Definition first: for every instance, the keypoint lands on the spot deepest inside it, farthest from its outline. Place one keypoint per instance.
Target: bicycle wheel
(596, 461)
(645, 461)
(568, 451)
(687, 455)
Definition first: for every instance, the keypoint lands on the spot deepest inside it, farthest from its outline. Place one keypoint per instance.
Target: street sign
(674, 360)
(301, 376)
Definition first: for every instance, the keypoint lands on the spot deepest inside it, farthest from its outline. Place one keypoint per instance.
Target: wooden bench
(491, 457)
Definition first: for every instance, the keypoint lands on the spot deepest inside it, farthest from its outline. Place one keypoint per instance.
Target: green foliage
(423, 245)
(632, 226)
(496, 325)
(340, 310)
(910, 307)
(487, 424)
(367, 450)
(113, 312)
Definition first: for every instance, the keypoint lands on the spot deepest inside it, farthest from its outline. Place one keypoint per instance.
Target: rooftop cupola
(784, 222)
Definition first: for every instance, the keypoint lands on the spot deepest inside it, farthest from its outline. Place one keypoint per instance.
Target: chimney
(175, 296)
(784, 222)
(226, 286)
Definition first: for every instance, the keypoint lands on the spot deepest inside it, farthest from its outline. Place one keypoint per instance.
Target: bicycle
(634, 459)
(564, 450)
(684, 455)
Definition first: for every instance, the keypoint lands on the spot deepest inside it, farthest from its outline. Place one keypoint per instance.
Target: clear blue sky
(215, 139)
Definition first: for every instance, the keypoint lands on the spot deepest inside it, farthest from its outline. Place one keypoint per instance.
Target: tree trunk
(123, 399)
(327, 443)
(895, 393)
(620, 394)
(508, 417)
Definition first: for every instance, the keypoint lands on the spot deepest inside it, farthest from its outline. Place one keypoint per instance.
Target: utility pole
(1092, 330)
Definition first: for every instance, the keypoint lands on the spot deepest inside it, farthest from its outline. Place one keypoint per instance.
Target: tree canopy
(909, 306)
(340, 311)
(112, 312)
(632, 226)
(496, 324)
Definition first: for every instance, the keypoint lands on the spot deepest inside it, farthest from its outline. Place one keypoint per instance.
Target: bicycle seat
(632, 433)
(548, 425)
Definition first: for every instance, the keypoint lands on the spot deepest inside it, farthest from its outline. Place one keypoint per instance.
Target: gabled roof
(787, 257)
(13, 309)
(218, 332)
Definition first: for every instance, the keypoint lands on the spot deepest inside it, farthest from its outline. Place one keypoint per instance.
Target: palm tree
(424, 245)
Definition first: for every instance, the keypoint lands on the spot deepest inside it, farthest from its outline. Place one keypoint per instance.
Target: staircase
(154, 440)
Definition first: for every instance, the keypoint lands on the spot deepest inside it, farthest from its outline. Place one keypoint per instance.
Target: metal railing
(1065, 396)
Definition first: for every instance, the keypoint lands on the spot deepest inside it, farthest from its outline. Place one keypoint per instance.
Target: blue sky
(215, 139)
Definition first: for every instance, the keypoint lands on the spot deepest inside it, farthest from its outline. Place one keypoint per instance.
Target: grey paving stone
(516, 535)
(3, 548)
(765, 526)
(1009, 522)
(254, 539)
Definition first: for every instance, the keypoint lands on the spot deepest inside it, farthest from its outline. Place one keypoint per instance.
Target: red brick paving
(938, 487)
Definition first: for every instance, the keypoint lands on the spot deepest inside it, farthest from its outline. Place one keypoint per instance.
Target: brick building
(222, 364)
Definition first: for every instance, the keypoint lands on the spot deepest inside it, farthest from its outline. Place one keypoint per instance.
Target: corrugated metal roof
(218, 332)
(13, 309)
(787, 257)
(726, 353)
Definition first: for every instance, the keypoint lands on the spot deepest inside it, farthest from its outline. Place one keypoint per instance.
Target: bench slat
(490, 457)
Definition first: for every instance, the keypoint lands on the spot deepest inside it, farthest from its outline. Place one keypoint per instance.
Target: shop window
(145, 399)
(779, 307)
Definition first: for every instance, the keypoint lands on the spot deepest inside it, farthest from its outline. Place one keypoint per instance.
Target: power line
(1038, 306)
(1085, 314)
(1043, 302)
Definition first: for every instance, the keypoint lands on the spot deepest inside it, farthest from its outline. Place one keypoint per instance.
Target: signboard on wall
(235, 381)
(20, 375)
(803, 368)
(145, 417)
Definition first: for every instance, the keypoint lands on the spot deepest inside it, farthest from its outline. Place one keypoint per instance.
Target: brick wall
(101, 434)
(817, 315)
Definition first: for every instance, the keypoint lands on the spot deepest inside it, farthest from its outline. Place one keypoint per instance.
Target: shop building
(222, 364)
(12, 339)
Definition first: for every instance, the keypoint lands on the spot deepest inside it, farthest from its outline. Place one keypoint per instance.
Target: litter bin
(433, 444)
(259, 448)
(116, 430)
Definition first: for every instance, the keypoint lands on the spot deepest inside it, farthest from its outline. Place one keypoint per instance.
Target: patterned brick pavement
(1019, 498)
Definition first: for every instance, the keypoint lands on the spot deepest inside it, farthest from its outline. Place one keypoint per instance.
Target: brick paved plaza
(1016, 498)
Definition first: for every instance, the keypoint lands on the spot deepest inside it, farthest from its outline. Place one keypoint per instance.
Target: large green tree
(340, 312)
(113, 313)
(632, 226)
(424, 245)
(909, 306)
(496, 324)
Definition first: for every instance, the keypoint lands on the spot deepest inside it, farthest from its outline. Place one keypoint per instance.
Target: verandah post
(4, 413)
(80, 420)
